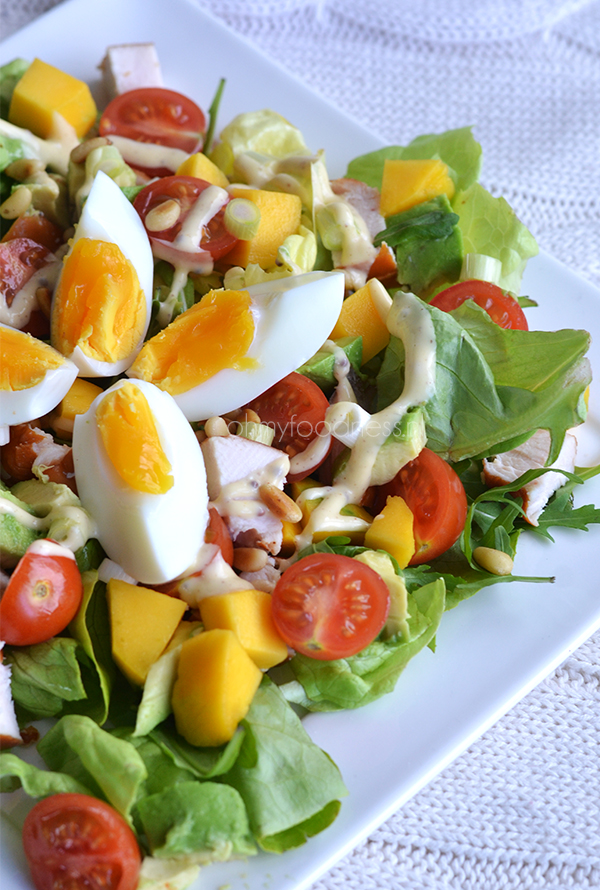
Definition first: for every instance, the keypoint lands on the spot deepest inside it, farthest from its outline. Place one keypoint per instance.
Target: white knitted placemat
(520, 810)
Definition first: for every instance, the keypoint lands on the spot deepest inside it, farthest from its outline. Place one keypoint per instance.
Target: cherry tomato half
(500, 306)
(157, 116)
(185, 190)
(42, 596)
(20, 258)
(80, 842)
(437, 499)
(295, 408)
(38, 228)
(329, 606)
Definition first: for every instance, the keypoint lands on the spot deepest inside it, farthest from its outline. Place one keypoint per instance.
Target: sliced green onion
(257, 432)
(242, 218)
(481, 267)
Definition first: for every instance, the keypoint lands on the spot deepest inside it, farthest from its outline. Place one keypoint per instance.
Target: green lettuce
(456, 148)
(291, 788)
(44, 677)
(16, 773)
(489, 226)
(263, 132)
(495, 387)
(91, 628)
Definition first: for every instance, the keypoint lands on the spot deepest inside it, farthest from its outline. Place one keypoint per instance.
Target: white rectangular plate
(492, 649)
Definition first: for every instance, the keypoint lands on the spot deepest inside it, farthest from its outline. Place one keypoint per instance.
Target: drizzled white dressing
(409, 320)
(72, 526)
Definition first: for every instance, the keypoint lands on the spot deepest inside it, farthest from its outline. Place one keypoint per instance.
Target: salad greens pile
(271, 787)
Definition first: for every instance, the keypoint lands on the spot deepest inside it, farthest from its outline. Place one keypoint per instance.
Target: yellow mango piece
(279, 217)
(359, 318)
(77, 401)
(248, 614)
(288, 541)
(43, 90)
(142, 621)
(297, 487)
(406, 183)
(216, 682)
(392, 531)
(201, 167)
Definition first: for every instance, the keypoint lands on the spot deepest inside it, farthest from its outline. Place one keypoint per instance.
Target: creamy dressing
(313, 455)
(241, 498)
(409, 320)
(205, 207)
(45, 547)
(341, 368)
(17, 315)
(211, 576)
(54, 152)
(71, 526)
(147, 154)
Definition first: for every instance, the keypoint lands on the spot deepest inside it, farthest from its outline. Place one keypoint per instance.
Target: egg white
(293, 317)
(153, 537)
(108, 216)
(23, 405)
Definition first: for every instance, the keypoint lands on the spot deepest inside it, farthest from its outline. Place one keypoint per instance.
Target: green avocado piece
(428, 244)
(15, 536)
(319, 368)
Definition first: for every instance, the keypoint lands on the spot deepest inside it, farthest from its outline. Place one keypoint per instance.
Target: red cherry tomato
(20, 258)
(295, 408)
(156, 116)
(329, 606)
(437, 499)
(38, 228)
(42, 596)
(80, 842)
(185, 190)
(500, 306)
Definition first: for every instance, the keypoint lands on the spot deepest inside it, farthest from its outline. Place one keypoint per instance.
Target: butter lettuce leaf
(16, 773)
(457, 148)
(489, 226)
(44, 677)
(290, 787)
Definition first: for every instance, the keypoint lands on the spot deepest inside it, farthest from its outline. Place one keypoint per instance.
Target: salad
(365, 361)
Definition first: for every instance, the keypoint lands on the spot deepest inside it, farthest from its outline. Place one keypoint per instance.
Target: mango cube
(43, 90)
(142, 622)
(216, 682)
(392, 531)
(201, 167)
(407, 183)
(248, 614)
(77, 401)
(359, 318)
(280, 215)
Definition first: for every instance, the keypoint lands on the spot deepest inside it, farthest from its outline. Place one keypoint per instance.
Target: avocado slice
(15, 534)
(320, 367)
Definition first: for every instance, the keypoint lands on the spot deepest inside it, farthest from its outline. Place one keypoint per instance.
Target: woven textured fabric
(520, 810)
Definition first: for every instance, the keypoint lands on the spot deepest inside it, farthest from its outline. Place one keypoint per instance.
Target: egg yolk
(214, 334)
(99, 304)
(131, 440)
(24, 360)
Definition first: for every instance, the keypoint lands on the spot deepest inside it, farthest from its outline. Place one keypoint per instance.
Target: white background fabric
(521, 808)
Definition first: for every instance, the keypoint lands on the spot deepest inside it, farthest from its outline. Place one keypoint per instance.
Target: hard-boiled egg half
(34, 378)
(233, 345)
(140, 473)
(101, 307)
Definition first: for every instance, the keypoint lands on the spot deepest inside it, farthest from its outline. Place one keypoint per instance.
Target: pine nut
(216, 426)
(495, 561)
(17, 203)
(81, 151)
(249, 559)
(23, 168)
(279, 503)
(163, 216)
(249, 416)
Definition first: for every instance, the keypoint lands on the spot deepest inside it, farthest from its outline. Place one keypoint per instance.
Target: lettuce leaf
(44, 677)
(16, 773)
(289, 785)
(495, 387)
(489, 226)
(456, 148)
